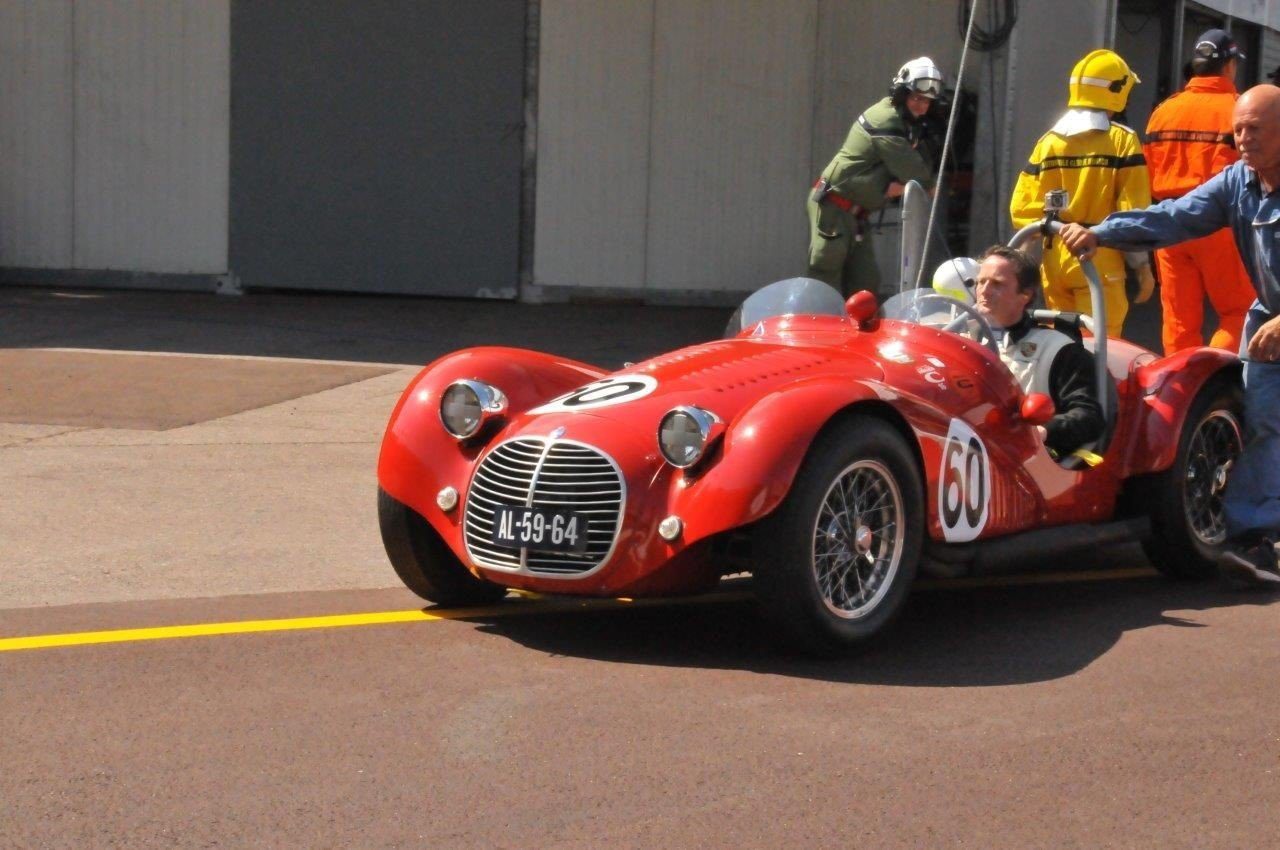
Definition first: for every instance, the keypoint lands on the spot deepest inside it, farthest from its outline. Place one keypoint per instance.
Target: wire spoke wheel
(836, 560)
(857, 539)
(1214, 447)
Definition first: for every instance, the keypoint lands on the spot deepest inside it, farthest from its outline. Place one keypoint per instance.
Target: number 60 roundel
(964, 484)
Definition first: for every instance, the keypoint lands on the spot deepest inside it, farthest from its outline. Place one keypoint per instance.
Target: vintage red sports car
(833, 451)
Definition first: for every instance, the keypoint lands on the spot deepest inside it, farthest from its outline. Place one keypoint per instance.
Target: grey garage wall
(113, 140)
(377, 145)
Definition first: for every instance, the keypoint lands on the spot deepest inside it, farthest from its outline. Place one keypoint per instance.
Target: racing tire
(1187, 523)
(836, 560)
(424, 563)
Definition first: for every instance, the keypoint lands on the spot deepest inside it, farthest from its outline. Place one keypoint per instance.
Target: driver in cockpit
(1043, 360)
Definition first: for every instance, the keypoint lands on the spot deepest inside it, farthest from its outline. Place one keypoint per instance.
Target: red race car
(834, 451)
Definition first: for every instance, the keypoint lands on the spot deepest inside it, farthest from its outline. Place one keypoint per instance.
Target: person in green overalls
(886, 147)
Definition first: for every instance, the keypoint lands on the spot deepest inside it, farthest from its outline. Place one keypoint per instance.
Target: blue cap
(1217, 44)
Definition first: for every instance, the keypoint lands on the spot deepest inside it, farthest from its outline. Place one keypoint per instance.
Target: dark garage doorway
(377, 146)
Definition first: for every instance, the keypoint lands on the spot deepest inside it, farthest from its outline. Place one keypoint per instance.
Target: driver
(1042, 360)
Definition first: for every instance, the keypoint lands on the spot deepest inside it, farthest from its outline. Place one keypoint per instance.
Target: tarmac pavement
(190, 459)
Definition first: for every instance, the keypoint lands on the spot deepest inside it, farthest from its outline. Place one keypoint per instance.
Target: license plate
(539, 528)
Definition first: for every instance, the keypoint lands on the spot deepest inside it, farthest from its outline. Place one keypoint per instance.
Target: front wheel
(836, 560)
(1188, 525)
(424, 563)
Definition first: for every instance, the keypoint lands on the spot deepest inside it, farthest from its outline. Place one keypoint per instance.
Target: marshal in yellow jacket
(1100, 165)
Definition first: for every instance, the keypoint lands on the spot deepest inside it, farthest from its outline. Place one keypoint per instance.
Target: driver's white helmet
(956, 278)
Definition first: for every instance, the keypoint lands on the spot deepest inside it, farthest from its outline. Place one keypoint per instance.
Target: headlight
(684, 433)
(467, 405)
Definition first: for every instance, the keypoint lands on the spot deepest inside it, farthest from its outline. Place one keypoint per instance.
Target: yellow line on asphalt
(206, 629)
(523, 603)
(334, 621)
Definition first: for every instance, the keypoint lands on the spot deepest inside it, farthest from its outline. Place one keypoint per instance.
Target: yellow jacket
(1102, 171)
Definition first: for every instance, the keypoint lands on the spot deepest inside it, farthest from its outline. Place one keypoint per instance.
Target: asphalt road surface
(201, 644)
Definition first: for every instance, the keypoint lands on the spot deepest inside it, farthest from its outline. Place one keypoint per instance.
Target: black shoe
(1251, 565)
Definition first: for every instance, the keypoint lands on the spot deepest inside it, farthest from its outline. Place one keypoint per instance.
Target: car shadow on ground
(946, 637)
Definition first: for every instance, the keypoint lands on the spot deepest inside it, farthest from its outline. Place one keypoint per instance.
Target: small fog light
(447, 499)
(671, 527)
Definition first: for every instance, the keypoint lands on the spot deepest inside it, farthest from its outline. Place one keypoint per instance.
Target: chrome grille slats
(559, 475)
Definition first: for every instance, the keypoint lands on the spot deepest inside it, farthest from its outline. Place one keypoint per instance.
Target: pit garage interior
(541, 150)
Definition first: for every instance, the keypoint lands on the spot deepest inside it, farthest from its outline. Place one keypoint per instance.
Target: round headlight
(466, 405)
(683, 434)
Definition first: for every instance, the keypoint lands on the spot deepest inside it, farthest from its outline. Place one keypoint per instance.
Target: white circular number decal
(964, 485)
(602, 393)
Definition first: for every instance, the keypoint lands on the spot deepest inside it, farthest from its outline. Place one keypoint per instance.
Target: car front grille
(559, 475)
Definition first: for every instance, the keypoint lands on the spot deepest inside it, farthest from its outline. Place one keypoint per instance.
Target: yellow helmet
(1101, 80)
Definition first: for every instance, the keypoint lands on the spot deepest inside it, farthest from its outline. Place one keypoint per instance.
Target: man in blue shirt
(1245, 197)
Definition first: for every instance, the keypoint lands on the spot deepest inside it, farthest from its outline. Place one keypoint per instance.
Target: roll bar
(1102, 383)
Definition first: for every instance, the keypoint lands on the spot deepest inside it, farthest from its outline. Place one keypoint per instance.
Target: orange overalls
(1188, 141)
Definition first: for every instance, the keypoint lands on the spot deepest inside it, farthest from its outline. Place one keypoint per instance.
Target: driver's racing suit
(1069, 381)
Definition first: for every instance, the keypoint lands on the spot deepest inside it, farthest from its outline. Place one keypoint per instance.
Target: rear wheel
(836, 560)
(1188, 526)
(424, 563)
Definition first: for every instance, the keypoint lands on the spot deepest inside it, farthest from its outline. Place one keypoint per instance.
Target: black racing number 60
(964, 484)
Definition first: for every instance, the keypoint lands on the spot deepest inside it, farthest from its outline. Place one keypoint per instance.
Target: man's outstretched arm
(1200, 212)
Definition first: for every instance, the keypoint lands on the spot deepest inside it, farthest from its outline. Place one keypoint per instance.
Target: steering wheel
(971, 323)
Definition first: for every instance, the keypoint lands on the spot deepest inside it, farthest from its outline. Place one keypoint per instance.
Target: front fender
(1168, 387)
(760, 455)
(418, 457)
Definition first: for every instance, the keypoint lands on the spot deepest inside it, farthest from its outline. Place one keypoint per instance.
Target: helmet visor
(927, 86)
(1213, 50)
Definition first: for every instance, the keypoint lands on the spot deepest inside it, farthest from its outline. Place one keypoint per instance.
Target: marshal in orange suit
(1188, 141)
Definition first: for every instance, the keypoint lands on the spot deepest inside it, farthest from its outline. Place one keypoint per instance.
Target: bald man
(1244, 196)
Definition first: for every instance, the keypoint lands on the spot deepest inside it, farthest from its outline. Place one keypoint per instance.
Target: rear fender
(418, 457)
(1168, 386)
(752, 470)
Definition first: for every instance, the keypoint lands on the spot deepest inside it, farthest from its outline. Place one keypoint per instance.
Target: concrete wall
(677, 140)
(113, 135)
(36, 193)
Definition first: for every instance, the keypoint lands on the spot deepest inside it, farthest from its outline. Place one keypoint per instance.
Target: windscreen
(941, 312)
(915, 231)
(920, 307)
(794, 296)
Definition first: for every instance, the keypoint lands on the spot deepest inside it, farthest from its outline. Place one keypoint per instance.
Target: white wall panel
(1270, 52)
(151, 135)
(35, 133)
(732, 121)
(593, 143)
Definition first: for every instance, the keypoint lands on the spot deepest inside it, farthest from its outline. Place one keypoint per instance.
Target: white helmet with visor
(919, 76)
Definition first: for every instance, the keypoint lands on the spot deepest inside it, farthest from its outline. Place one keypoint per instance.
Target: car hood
(724, 377)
